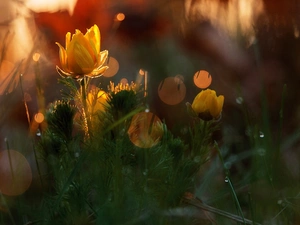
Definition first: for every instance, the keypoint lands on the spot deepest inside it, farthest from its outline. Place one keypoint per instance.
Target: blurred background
(246, 46)
(249, 50)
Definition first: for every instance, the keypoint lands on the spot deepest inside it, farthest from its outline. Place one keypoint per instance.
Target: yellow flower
(207, 105)
(97, 100)
(81, 56)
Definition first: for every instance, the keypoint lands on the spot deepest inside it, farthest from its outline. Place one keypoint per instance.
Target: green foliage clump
(104, 178)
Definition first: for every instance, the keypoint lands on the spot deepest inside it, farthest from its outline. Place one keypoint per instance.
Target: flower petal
(68, 39)
(102, 58)
(62, 57)
(213, 106)
(81, 59)
(220, 103)
(97, 72)
(207, 105)
(93, 35)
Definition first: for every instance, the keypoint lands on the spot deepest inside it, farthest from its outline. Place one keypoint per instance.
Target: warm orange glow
(142, 72)
(233, 16)
(172, 90)
(7, 85)
(113, 67)
(124, 81)
(120, 17)
(145, 130)
(202, 79)
(39, 117)
(51, 6)
(296, 31)
(15, 173)
(36, 57)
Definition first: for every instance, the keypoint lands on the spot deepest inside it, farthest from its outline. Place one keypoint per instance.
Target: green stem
(85, 112)
(280, 123)
(227, 180)
(8, 210)
(37, 165)
(200, 205)
(10, 162)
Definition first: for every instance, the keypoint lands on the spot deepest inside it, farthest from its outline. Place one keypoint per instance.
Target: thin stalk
(280, 123)
(227, 179)
(251, 207)
(8, 210)
(25, 103)
(37, 164)
(239, 208)
(10, 162)
(85, 113)
(200, 205)
(39, 88)
(118, 122)
(28, 119)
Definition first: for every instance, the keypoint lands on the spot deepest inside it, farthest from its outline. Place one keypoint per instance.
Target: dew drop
(38, 133)
(279, 202)
(226, 180)
(145, 172)
(239, 100)
(261, 134)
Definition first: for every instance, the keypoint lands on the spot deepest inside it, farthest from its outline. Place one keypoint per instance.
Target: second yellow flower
(207, 105)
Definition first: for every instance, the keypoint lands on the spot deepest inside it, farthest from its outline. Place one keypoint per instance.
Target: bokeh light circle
(124, 81)
(145, 130)
(202, 79)
(120, 17)
(39, 117)
(36, 57)
(113, 67)
(15, 173)
(172, 90)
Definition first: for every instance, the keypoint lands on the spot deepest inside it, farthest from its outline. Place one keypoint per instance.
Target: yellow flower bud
(97, 101)
(207, 105)
(81, 56)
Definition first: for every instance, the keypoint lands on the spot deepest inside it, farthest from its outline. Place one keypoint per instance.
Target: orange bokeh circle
(202, 79)
(172, 90)
(39, 117)
(145, 130)
(113, 67)
(15, 173)
(120, 17)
